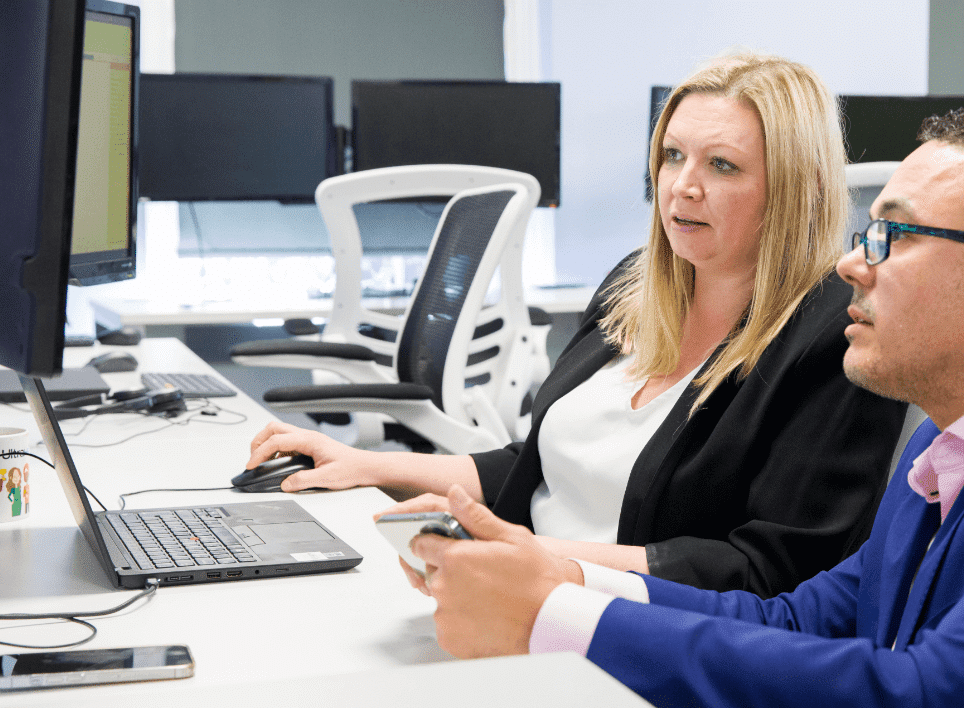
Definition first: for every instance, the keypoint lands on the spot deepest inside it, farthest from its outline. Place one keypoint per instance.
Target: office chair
(510, 337)
(428, 392)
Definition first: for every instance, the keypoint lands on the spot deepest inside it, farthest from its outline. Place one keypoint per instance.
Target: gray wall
(946, 52)
(345, 39)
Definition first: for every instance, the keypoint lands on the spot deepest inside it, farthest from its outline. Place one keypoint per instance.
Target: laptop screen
(66, 471)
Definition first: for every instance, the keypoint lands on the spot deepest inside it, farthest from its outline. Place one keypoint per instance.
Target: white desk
(291, 638)
(134, 304)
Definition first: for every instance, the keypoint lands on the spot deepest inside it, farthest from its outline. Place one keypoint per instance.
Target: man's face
(907, 340)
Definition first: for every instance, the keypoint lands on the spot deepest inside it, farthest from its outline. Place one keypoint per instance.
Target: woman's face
(15, 476)
(712, 184)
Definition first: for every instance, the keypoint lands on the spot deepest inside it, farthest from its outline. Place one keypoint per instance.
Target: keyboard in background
(191, 385)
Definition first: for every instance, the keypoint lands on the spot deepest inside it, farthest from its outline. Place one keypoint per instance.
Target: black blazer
(775, 478)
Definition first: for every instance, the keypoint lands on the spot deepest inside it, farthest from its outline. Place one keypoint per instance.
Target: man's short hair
(948, 128)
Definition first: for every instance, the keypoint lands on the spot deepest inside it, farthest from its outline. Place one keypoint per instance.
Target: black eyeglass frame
(894, 232)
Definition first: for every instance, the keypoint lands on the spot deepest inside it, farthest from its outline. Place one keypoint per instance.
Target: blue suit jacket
(866, 633)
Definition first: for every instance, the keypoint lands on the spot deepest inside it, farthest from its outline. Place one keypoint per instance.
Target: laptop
(73, 383)
(192, 544)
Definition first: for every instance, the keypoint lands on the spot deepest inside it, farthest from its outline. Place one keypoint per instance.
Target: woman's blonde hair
(801, 235)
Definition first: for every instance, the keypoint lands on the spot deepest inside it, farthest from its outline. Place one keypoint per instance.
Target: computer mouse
(112, 362)
(126, 336)
(267, 476)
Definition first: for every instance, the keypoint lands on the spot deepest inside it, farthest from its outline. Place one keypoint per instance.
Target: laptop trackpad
(291, 531)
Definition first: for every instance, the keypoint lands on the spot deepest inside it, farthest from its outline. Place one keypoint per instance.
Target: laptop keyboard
(179, 538)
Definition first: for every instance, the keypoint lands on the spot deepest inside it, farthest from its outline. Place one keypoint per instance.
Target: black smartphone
(85, 667)
(399, 529)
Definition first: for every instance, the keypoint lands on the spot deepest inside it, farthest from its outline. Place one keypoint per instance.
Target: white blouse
(588, 442)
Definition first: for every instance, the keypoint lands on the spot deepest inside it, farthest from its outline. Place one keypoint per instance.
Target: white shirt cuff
(614, 582)
(567, 619)
(569, 616)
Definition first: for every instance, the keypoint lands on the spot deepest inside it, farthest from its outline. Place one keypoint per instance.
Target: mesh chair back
(460, 243)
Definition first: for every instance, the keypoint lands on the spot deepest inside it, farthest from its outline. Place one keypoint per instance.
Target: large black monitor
(105, 199)
(40, 63)
(511, 125)
(884, 128)
(207, 137)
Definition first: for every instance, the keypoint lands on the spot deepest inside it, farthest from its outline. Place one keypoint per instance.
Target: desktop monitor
(511, 125)
(884, 128)
(212, 137)
(40, 71)
(105, 198)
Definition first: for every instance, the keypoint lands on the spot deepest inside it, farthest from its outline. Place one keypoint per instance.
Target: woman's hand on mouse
(337, 466)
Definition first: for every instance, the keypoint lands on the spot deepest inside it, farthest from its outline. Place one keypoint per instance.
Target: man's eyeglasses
(880, 233)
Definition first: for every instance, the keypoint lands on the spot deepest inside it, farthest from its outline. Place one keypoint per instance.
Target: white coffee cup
(14, 474)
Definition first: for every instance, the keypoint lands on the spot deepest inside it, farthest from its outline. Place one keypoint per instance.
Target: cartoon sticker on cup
(14, 474)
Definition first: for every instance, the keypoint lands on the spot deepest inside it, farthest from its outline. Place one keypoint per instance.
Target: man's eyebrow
(897, 204)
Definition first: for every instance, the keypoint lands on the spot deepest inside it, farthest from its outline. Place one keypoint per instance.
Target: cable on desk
(75, 617)
(192, 416)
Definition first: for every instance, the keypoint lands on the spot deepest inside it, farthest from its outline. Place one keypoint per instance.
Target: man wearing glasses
(883, 628)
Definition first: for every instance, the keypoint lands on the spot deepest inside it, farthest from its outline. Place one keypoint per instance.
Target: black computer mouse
(112, 362)
(267, 476)
(126, 336)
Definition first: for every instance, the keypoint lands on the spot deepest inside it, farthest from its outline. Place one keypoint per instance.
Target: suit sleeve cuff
(614, 582)
(567, 619)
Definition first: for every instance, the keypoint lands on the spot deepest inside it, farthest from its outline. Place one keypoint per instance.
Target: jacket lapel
(661, 455)
(916, 610)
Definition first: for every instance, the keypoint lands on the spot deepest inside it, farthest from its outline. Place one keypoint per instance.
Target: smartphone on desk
(87, 667)
(400, 529)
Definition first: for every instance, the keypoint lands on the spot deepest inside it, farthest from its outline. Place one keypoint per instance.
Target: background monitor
(511, 125)
(235, 137)
(884, 128)
(105, 197)
(40, 63)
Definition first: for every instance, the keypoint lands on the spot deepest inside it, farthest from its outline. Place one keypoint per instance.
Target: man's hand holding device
(488, 591)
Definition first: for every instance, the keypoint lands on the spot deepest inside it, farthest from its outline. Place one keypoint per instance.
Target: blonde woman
(699, 426)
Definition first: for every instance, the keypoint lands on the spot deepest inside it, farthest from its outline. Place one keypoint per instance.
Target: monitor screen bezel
(114, 265)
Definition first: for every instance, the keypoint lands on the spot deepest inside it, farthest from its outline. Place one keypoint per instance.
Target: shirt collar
(938, 473)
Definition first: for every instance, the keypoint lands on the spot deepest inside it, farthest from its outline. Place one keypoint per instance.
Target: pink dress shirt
(938, 474)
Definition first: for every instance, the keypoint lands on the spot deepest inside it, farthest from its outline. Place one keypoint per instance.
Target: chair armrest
(409, 404)
(301, 347)
(305, 394)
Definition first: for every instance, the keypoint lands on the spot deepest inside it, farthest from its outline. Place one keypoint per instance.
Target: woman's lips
(687, 225)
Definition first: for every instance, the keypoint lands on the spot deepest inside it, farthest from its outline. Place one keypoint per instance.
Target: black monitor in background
(41, 45)
(884, 128)
(212, 137)
(105, 198)
(510, 125)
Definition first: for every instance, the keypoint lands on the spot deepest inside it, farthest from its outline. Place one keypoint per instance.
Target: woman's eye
(672, 155)
(721, 165)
